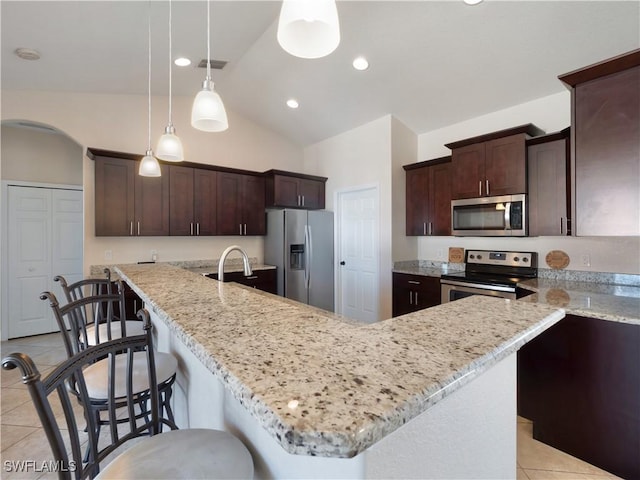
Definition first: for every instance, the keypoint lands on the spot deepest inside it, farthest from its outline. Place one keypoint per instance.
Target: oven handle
(507, 215)
(498, 288)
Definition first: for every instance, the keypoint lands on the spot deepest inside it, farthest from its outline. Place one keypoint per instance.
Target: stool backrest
(68, 381)
(105, 308)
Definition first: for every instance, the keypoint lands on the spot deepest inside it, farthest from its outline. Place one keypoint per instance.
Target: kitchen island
(315, 395)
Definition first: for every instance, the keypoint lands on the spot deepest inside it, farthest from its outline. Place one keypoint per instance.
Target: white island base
(470, 433)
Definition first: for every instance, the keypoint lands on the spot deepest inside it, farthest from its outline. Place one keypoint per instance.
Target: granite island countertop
(324, 385)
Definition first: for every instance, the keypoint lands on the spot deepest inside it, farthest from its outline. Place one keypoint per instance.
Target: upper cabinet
(294, 190)
(428, 197)
(549, 184)
(240, 204)
(192, 201)
(606, 146)
(127, 204)
(492, 164)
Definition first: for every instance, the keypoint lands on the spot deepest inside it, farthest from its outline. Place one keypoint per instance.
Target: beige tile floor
(23, 439)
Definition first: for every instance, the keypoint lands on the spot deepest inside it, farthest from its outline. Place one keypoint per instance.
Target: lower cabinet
(265, 280)
(579, 383)
(414, 292)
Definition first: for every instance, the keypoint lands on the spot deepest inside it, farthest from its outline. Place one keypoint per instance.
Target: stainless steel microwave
(503, 216)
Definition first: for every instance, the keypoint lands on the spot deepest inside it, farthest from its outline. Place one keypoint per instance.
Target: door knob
(342, 262)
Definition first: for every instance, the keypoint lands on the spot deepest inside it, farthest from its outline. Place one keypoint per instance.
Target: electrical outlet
(108, 255)
(440, 254)
(586, 260)
(154, 255)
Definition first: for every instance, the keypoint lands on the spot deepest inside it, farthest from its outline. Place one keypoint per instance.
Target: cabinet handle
(138, 228)
(479, 188)
(253, 277)
(487, 184)
(561, 229)
(245, 228)
(303, 200)
(416, 298)
(131, 228)
(198, 228)
(191, 229)
(430, 228)
(424, 228)
(298, 202)
(413, 282)
(410, 297)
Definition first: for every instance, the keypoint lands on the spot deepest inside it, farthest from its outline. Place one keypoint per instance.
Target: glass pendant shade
(208, 113)
(170, 146)
(309, 28)
(149, 166)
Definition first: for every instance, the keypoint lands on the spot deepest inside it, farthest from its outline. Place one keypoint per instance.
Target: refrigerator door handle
(309, 254)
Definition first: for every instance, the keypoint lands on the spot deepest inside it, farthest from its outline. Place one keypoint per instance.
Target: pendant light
(309, 28)
(149, 166)
(208, 113)
(169, 146)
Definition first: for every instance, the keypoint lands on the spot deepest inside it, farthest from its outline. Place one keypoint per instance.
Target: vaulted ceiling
(431, 63)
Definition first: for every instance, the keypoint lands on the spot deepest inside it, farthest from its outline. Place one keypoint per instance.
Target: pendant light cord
(208, 41)
(149, 83)
(170, 66)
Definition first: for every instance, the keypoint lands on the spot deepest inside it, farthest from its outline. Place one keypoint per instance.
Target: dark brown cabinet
(293, 190)
(265, 280)
(428, 197)
(127, 204)
(192, 201)
(492, 164)
(549, 185)
(606, 146)
(579, 383)
(414, 292)
(240, 204)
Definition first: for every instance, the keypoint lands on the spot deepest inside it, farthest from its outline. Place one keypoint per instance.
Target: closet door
(45, 237)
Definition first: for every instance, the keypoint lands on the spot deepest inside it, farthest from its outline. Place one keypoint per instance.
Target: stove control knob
(516, 259)
(525, 259)
(479, 257)
(472, 256)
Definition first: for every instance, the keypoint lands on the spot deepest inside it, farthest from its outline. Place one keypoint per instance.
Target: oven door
(451, 290)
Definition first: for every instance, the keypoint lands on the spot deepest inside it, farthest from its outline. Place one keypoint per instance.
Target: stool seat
(197, 454)
(133, 327)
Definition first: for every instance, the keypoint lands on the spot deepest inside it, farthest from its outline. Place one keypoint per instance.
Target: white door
(358, 235)
(43, 235)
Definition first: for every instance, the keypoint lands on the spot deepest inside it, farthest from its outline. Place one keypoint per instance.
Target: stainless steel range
(490, 273)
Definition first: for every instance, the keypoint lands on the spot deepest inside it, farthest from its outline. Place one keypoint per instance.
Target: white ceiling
(432, 63)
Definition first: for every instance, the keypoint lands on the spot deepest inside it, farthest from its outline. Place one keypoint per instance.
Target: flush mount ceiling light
(27, 53)
(360, 63)
(182, 62)
(208, 113)
(149, 166)
(472, 2)
(292, 103)
(169, 146)
(309, 28)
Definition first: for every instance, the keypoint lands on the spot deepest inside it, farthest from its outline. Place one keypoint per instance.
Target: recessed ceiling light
(472, 2)
(27, 53)
(292, 103)
(182, 62)
(360, 63)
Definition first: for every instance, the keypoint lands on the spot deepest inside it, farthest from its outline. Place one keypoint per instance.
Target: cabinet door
(312, 193)
(417, 203)
(468, 171)
(204, 201)
(114, 196)
(181, 190)
(286, 191)
(548, 188)
(253, 205)
(505, 166)
(607, 155)
(440, 200)
(228, 207)
(152, 204)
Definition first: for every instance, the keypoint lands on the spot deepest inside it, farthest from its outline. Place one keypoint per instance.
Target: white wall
(358, 158)
(119, 122)
(552, 113)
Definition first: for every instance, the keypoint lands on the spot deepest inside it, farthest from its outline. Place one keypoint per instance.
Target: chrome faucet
(223, 257)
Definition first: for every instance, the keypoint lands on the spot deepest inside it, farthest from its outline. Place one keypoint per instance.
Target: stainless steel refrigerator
(300, 244)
